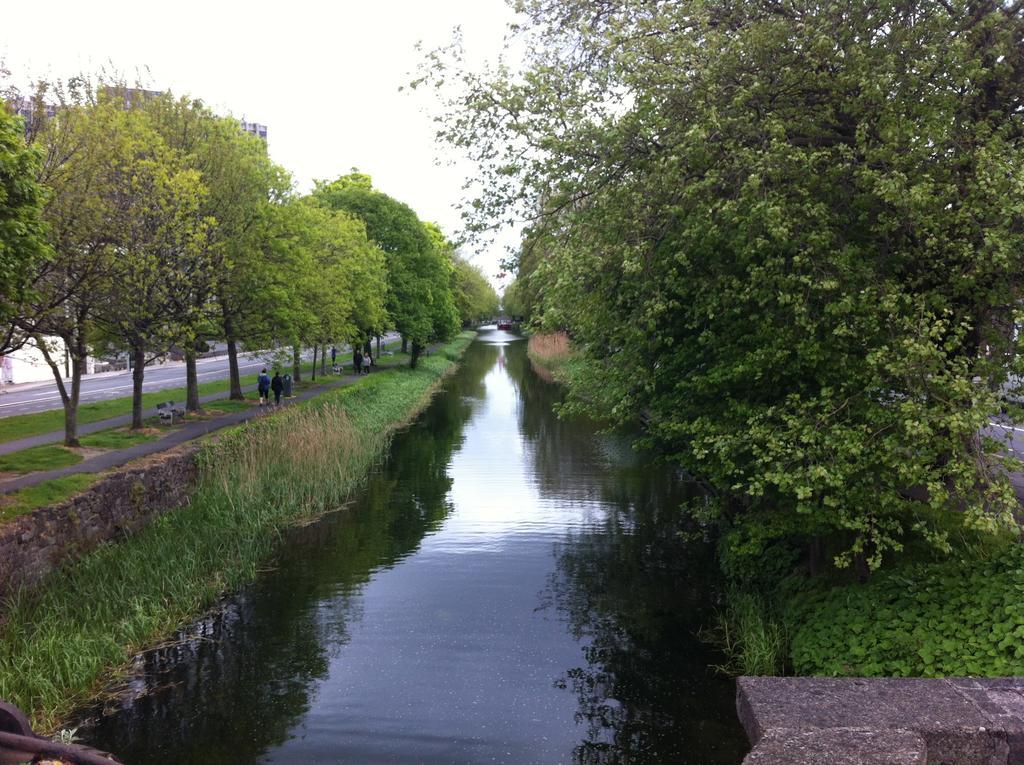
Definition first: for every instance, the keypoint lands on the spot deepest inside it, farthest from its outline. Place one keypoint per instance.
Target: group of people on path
(266, 384)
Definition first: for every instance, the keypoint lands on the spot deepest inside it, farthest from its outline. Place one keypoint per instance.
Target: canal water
(509, 587)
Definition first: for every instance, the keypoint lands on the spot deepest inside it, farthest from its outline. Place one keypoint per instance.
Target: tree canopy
(419, 299)
(805, 218)
(22, 234)
(152, 224)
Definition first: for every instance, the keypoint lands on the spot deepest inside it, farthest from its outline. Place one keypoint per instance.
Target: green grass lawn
(38, 458)
(115, 438)
(225, 405)
(43, 494)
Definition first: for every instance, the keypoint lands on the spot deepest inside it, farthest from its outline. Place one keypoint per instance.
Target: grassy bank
(59, 647)
(47, 493)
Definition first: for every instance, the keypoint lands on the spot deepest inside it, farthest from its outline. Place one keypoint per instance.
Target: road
(40, 397)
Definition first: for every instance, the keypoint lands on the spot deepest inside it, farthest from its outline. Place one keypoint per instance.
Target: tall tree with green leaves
(808, 220)
(240, 181)
(419, 298)
(159, 247)
(475, 297)
(23, 242)
(472, 295)
(82, 144)
(342, 281)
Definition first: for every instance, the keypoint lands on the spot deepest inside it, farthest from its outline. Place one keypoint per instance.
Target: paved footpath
(187, 432)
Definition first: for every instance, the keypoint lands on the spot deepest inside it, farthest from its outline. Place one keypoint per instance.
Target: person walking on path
(367, 362)
(357, 361)
(263, 386)
(334, 356)
(277, 385)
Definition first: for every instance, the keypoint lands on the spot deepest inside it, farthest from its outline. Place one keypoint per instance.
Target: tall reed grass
(62, 644)
(550, 349)
(750, 634)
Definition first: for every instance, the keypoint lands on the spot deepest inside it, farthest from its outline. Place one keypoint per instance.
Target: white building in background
(27, 364)
(255, 128)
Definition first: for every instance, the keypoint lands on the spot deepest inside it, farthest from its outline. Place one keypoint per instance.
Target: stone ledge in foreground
(839, 746)
(961, 721)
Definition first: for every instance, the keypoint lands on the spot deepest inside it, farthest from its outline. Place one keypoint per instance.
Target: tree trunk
(296, 363)
(405, 344)
(816, 556)
(378, 347)
(138, 376)
(315, 349)
(323, 360)
(861, 569)
(417, 349)
(236, 378)
(191, 380)
(71, 407)
(69, 400)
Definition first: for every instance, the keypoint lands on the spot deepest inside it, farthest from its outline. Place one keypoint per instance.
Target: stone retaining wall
(119, 504)
(895, 721)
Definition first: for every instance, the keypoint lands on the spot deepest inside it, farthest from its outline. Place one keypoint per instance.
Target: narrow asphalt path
(180, 435)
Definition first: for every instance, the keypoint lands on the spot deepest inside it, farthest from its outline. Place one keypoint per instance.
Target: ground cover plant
(59, 645)
(952, 618)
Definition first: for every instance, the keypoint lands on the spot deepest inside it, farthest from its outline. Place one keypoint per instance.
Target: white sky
(323, 76)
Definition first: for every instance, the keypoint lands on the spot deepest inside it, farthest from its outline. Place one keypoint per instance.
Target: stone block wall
(118, 505)
(888, 721)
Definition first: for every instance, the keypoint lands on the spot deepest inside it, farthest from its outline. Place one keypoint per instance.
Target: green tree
(241, 181)
(324, 278)
(22, 232)
(82, 144)
(805, 218)
(419, 299)
(445, 316)
(474, 295)
(159, 246)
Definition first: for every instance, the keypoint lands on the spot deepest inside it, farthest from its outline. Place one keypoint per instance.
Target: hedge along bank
(60, 644)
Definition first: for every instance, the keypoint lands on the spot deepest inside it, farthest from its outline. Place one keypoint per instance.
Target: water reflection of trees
(237, 681)
(634, 591)
(567, 458)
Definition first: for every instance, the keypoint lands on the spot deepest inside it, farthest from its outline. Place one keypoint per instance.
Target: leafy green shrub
(954, 618)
